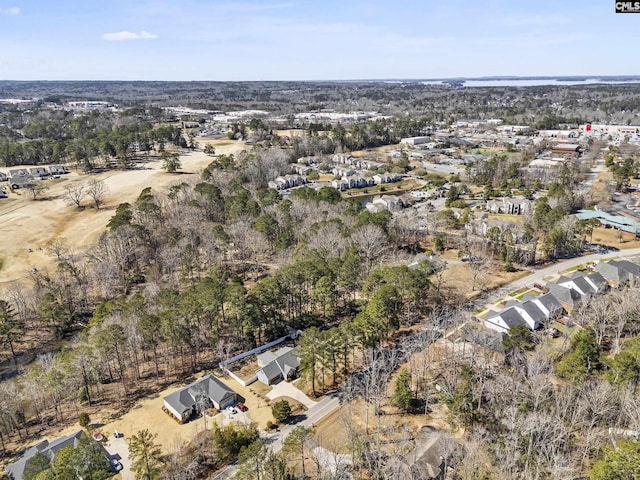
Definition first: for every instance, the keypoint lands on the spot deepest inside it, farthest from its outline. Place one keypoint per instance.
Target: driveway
(288, 389)
(119, 449)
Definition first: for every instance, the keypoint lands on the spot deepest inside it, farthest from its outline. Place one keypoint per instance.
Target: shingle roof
(16, 469)
(534, 311)
(511, 317)
(598, 280)
(565, 295)
(186, 397)
(549, 302)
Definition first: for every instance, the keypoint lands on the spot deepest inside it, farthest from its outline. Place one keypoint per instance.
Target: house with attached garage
(580, 284)
(205, 393)
(50, 449)
(504, 320)
(532, 312)
(569, 298)
(549, 305)
(279, 365)
(619, 272)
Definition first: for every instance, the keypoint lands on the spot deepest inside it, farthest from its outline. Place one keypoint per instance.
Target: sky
(224, 40)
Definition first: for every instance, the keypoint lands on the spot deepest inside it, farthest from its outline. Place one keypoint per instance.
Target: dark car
(117, 466)
(242, 407)
(538, 286)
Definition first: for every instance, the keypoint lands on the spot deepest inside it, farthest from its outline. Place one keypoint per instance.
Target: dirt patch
(614, 238)
(457, 277)
(32, 225)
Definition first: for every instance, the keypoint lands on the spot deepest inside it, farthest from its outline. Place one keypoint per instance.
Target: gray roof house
(578, 283)
(618, 272)
(569, 298)
(504, 320)
(39, 172)
(595, 279)
(278, 365)
(58, 169)
(16, 469)
(429, 460)
(209, 390)
(549, 305)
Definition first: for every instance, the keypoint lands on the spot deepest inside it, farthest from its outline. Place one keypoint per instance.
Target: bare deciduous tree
(74, 193)
(96, 189)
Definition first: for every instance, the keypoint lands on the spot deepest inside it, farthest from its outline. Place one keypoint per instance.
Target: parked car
(117, 466)
(242, 407)
(538, 286)
(231, 410)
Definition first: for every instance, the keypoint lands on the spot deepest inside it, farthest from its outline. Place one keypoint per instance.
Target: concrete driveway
(119, 449)
(288, 389)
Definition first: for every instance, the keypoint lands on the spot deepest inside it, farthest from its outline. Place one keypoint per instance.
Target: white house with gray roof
(278, 365)
(209, 391)
(16, 470)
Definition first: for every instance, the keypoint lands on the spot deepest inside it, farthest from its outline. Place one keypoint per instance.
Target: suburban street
(539, 275)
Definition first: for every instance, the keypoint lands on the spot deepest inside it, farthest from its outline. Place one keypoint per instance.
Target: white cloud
(10, 11)
(125, 36)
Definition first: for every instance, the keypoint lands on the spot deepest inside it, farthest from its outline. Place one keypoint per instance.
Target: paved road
(539, 275)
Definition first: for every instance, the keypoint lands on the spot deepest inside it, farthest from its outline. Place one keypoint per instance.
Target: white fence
(224, 365)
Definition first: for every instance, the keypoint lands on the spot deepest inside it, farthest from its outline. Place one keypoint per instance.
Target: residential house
(16, 470)
(579, 283)
(569, 298)
(3, 177)
(302, 169)
(21, 182)
(548, 304)
(39, 172)
(341, 185)
(597, 281)
(504, 320)
(278, 365)
(209, 391)
(19, 172)
(343, 171)
(429, 460)
(619, 272)
(58, 170)
(388, 202)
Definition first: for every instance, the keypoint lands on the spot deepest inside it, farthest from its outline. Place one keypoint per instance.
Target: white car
(231, 410)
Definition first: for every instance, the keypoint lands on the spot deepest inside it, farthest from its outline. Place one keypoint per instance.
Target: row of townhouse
(347, 182)
(287, 181)
(23, 177)
(563, 295)
(357, 162)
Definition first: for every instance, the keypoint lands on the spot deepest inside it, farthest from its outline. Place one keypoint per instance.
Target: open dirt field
(35, 224)
(148, 414)
(457, 276)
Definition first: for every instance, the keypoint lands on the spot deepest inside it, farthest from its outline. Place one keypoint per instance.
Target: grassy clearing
(519, 292)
